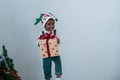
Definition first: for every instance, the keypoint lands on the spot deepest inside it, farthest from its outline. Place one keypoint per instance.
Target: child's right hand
(38, 45)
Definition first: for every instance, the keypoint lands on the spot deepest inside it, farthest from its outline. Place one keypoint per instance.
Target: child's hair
(49, 20)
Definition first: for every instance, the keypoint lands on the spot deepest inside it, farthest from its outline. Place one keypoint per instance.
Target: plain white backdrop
(89, 31)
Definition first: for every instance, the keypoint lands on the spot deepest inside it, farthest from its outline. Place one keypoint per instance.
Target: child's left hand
(58, 40)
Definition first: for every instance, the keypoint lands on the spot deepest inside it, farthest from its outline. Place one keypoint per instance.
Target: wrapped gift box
(48, 47)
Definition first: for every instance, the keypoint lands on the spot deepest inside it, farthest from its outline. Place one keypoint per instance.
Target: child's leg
(58, 67)
(47, 62)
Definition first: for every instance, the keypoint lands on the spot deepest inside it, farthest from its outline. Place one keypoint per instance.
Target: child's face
(49, 26)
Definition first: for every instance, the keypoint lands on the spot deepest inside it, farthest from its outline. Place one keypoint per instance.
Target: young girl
(48, 43)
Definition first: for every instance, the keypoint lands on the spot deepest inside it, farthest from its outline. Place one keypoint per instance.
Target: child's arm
(38, 42)
(38, 45)
(58, 39)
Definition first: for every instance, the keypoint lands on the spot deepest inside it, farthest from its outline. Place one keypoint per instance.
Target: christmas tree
(7, 71)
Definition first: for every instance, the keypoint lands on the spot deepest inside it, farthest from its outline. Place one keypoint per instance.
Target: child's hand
(38, 45)
(58, 40)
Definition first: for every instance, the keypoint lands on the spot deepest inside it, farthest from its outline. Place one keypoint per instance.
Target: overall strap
(55, 32)
(43, 32)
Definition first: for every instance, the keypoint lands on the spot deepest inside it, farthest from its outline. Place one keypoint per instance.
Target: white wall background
(90, 37)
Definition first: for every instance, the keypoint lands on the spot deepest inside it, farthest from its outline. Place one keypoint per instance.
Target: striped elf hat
(44, 18)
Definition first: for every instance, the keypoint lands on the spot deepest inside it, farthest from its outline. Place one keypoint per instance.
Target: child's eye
(50, 24)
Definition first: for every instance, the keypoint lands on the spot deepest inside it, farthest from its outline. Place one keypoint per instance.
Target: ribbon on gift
(47, 37)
